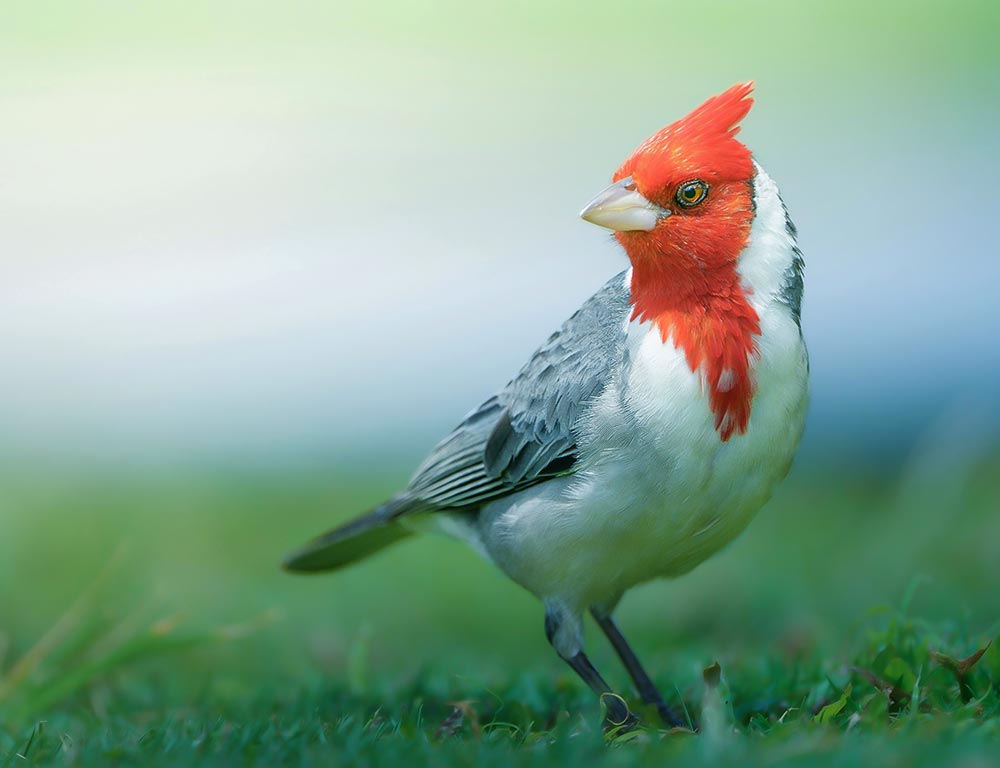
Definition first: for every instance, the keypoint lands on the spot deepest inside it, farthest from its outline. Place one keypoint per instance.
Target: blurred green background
(255, 258)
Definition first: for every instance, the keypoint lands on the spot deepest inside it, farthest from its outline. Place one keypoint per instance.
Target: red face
(700, 175)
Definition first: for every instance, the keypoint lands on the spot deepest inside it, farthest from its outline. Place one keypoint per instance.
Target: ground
(146, 622)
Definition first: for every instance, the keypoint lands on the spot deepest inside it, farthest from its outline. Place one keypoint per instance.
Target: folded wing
(526, 432)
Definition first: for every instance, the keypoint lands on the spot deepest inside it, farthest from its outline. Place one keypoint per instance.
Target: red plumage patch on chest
(718, 334)
(684, 277)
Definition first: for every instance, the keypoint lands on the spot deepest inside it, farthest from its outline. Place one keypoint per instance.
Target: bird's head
(682, 204)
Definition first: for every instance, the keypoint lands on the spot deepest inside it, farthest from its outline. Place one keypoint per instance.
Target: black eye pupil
(692, 193)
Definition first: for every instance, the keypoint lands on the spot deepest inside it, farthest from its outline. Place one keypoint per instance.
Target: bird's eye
(690, 193)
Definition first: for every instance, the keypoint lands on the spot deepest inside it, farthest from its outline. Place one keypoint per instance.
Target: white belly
(656, 490)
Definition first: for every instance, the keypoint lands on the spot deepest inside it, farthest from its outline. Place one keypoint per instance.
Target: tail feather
(350, 542)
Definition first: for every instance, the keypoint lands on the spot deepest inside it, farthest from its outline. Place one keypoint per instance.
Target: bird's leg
(647, 690)
(564, 631)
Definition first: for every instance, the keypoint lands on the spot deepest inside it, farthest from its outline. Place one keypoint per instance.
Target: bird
(644, 435)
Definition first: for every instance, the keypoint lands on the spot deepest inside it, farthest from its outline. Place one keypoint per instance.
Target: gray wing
(525, 433)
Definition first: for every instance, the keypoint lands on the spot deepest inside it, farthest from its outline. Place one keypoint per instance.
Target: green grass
(144, 622)
(898, 694)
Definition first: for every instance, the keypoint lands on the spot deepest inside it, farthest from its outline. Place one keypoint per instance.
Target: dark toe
(617, 716)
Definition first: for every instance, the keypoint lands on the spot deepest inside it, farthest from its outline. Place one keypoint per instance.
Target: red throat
(717, 331)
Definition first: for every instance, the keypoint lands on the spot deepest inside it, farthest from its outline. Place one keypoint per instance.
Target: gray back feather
(791, 289)
(526, 432)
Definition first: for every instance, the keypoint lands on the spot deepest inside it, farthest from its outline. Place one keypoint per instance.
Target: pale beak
(622, 208)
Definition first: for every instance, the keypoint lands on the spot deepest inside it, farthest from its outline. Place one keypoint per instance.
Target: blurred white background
(266, 231)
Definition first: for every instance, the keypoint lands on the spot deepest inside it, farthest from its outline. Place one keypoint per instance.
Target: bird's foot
(618, 719)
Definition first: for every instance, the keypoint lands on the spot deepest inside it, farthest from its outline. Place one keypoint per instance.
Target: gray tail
(350, 542)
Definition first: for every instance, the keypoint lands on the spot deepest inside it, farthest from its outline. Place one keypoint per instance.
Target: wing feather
(526, 433)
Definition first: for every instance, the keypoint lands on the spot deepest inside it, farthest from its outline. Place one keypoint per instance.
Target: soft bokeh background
(255, 258)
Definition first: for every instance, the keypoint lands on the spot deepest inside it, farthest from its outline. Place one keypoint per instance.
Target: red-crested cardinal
(644, 435)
